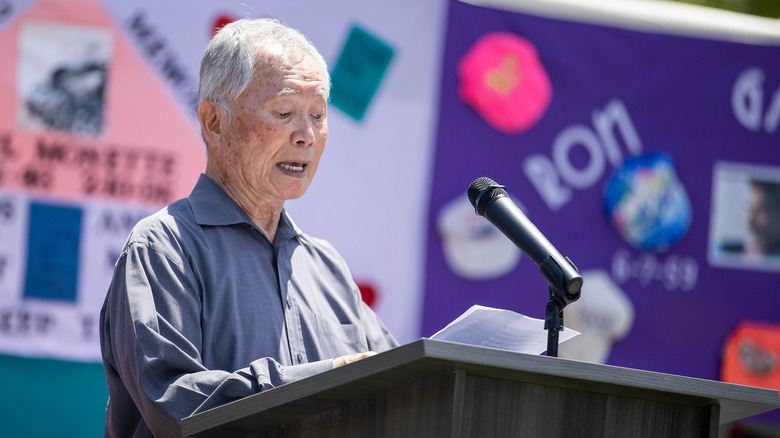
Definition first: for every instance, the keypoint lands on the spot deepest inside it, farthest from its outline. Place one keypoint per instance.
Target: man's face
(278, 132)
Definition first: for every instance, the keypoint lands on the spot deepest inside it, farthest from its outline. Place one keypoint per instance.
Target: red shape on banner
(221, 21)
(368, 292)
(752, 355)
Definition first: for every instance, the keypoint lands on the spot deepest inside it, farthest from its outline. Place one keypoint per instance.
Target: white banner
(97, 129)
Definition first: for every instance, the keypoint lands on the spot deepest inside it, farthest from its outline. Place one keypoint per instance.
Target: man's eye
(317, 116)
(284, 114)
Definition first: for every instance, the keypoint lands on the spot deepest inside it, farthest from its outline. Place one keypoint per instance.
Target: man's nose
(304, 133)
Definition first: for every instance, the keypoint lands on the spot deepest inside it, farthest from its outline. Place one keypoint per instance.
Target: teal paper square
(358, 72)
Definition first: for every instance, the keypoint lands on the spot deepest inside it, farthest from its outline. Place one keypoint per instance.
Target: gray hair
(229, 64)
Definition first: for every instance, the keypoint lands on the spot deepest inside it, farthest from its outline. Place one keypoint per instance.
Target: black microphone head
(482, 191)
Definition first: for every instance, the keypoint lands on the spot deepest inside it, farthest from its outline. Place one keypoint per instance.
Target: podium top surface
(425, 357)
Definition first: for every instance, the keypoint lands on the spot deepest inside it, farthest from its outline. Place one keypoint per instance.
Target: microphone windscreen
(478, 197)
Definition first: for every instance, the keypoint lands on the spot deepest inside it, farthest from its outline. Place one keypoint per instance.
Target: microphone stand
(553, 322)
(563, 289)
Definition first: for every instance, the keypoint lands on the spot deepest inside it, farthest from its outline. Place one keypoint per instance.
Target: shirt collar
(212, 206)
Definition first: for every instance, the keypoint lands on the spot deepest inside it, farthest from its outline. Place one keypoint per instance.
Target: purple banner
(650, 160)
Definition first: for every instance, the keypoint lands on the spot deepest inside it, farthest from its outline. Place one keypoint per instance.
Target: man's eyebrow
(287, 91)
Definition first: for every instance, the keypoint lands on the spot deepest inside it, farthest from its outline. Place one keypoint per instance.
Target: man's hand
(343, 360)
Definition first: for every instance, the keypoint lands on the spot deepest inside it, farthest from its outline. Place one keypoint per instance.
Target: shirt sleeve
(151, 339)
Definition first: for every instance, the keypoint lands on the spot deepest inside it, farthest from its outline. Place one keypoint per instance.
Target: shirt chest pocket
(338, 339)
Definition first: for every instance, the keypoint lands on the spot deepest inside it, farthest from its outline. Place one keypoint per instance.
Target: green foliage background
(764, 8)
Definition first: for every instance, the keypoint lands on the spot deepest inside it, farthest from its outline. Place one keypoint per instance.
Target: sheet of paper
(502, 329)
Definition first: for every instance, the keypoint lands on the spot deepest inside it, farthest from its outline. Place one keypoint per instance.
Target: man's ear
(211, 122)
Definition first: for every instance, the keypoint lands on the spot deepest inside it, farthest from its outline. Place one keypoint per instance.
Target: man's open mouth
(292, 167)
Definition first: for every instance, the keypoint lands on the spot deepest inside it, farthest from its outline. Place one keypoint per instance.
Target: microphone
(491, 201)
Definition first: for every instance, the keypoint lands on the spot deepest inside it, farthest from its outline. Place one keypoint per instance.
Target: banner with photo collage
(650, 159)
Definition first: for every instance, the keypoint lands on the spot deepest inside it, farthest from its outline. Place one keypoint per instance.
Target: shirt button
(300, 358)
(289, 303)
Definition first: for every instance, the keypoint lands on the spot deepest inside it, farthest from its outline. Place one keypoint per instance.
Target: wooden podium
(432, 388)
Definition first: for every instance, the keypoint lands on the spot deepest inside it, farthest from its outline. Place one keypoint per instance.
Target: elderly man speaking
(219, 295)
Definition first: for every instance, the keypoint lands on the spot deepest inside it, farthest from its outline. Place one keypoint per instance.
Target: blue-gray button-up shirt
(203, 310)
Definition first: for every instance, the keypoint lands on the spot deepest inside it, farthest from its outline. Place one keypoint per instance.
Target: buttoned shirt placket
(286, 241)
